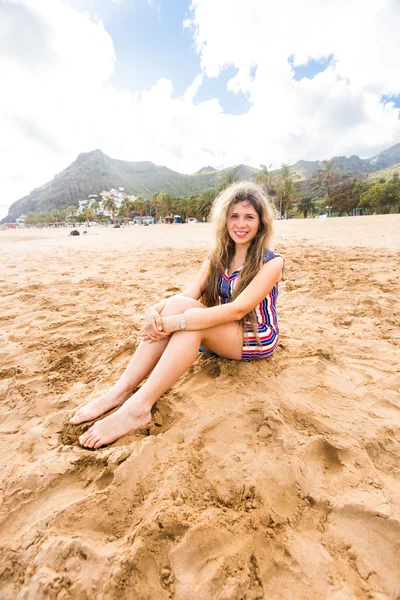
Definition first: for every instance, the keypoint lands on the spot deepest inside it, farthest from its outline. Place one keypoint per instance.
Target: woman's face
(243, 223)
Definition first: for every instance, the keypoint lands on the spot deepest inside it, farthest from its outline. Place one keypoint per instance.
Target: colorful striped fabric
(267, 319)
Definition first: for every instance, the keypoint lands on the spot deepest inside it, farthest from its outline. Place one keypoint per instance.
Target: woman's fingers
(157, 321)
(153, 331)
(153, 337)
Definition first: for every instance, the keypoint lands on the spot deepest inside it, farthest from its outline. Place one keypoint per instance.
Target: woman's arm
(248, 299)
(153, 325)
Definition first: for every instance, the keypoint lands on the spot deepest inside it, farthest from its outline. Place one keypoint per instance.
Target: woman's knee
(178, 304)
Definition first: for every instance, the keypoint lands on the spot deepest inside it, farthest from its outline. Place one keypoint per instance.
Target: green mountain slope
(94, 172)
(385, 173)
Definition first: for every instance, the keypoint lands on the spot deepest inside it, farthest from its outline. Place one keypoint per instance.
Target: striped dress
(267, 318)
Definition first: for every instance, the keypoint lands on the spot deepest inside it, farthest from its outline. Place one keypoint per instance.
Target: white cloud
(340, 110)
(56, 64)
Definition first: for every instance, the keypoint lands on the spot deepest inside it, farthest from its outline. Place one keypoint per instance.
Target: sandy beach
(277, 479)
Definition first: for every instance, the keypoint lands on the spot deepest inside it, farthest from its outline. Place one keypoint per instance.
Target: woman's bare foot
(111, 428)
(101, 405)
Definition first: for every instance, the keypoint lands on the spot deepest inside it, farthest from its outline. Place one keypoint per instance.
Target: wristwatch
(182, 322)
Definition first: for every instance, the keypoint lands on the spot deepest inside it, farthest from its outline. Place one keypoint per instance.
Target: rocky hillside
(387, 158)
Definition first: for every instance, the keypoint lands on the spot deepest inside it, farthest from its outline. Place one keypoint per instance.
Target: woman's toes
(85, 436)
(91, 439)
(94, 441)
(77, 417)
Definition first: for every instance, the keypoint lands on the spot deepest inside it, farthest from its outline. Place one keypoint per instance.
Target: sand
(278, 479)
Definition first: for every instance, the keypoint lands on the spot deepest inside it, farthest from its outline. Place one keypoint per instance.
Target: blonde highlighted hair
(223, 248)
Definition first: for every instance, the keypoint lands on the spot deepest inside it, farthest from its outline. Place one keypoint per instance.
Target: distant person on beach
(229, 310)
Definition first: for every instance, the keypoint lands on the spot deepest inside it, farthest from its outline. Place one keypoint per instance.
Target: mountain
(206, 170)
(387, 158)
(352, 164)
(93, 172)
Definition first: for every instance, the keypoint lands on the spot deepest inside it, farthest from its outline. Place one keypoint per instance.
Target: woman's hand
(153, 327)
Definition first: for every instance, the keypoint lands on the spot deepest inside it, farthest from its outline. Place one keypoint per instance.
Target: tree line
(329, 189)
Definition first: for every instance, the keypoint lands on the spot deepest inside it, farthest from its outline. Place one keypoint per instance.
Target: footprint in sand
(386, 410)
(58, 489)
(321, 456)
(373, 540)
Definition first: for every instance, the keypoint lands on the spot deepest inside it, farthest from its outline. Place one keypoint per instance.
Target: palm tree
(127, 207)
(264, 177)
(328, 175)
(54, 216)
(88, 214)
(156, 201)
(62, 214)
(168, 204)
(140, 206)
(306, 205)
(285, 194)
(110, 205)
(229, 177)
(204, 203)
(186, 207)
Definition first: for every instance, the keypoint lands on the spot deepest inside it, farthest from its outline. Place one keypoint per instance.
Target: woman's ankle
(122, 388)
(138, 406)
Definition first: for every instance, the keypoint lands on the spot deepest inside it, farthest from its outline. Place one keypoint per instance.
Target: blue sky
(151, 42)
(188, 84)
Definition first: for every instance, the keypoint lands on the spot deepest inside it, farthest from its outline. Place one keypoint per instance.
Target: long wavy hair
(223, 248)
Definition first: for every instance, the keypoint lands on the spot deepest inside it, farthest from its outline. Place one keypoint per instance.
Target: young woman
(229, 310)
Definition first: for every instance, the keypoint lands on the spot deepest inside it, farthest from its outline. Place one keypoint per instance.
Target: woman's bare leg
(142, 363)
(177, 357)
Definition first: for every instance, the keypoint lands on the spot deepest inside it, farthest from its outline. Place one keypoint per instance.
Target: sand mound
(277, 479)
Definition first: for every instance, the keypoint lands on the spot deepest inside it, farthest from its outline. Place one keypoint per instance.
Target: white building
(116, 195)
(21, 221)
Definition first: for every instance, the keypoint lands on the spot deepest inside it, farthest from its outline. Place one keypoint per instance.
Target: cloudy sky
(188, 84)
